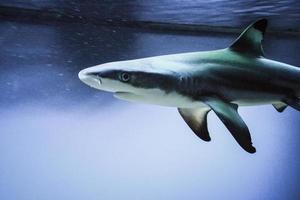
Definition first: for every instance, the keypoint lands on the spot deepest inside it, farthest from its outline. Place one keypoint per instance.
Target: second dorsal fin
(249, 42)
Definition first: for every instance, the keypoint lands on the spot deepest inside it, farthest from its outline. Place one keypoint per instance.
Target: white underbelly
(174, 99)
(159, 97)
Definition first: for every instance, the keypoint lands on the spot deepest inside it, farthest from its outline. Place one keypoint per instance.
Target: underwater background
(60, 139)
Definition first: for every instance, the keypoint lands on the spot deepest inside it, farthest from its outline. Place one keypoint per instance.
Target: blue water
(282, 14)
(60, 139)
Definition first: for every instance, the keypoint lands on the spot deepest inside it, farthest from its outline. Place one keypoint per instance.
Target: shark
(196, 83)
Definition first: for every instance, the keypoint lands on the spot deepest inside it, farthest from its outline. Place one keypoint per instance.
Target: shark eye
(125, 77)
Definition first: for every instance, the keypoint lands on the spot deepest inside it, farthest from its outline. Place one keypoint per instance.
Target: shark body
(198, 82)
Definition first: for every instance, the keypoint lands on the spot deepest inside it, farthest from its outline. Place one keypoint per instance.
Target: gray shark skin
(198, 82)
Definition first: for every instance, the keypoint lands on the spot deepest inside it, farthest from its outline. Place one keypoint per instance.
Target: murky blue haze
(60, 139)
(283, 13)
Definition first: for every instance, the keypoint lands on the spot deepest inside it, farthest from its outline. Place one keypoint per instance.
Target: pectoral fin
(228, 114)
(280, 107)
(197, 121)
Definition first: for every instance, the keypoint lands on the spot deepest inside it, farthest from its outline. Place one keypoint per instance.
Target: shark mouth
(128, 96)
(118, 93)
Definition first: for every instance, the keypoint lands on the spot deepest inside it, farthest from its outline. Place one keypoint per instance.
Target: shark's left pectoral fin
(280, 107)
(196, 119)
(228, 114)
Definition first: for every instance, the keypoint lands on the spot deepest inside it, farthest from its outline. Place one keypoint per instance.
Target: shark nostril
(99, 79)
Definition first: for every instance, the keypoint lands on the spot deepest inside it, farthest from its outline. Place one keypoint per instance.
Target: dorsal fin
(249, 42)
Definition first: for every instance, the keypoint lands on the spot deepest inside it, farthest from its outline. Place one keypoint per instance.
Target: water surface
(283, 14)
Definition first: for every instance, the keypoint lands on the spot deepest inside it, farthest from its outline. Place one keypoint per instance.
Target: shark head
(130, 80)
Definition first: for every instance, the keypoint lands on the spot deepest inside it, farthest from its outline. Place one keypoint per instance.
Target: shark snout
(90, 78)
(83, 75)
